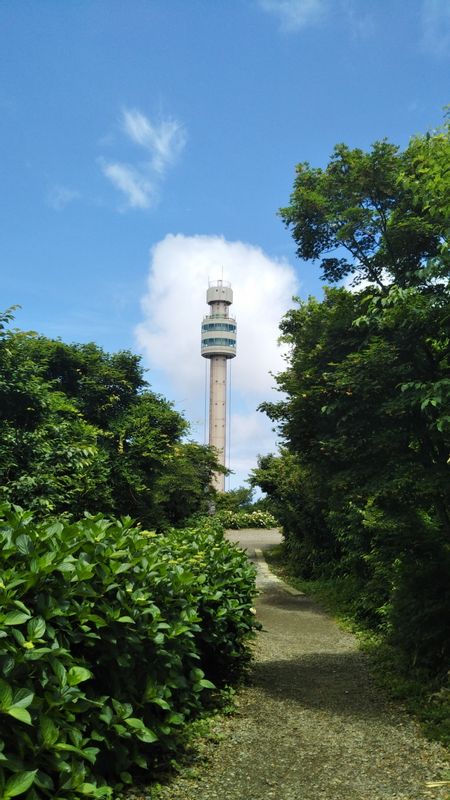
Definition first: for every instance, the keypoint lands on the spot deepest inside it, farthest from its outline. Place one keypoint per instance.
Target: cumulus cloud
(161, 143)
(436, 27)
(169, 335)
(294, 15)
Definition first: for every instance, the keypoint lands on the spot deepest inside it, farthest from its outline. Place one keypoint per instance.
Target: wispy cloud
(294, 15)
(435, 20)
(139, 191)
(162, 142)
(58, 197)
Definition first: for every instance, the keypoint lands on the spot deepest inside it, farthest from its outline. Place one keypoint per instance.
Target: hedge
(110, 640)
(246, 519)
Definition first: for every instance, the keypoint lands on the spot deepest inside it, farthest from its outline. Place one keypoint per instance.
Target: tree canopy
(379, 216)
(81, 430)
(361, 483)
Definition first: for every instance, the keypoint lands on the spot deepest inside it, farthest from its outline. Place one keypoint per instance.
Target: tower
(218, 345)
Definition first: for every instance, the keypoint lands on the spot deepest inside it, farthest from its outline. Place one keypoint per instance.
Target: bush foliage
(246, 519)
(110, 638)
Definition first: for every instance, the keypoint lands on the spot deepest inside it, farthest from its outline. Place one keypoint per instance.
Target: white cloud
(295, 14)
(58, 197)
(174, 305)
(162, 143)
(137, 188)
(436, 27)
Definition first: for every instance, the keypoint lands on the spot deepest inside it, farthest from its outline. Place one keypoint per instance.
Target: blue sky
(147, 145)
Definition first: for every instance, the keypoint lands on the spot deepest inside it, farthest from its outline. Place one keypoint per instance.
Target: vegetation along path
(311, 725)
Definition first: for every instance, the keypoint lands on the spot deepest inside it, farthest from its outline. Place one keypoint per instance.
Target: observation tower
(218, 346)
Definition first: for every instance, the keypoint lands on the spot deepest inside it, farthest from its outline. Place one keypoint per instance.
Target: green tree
(361, 484)
(240, 499)
(81, 430)
(49, 455)
(101, 384)
(378, 216)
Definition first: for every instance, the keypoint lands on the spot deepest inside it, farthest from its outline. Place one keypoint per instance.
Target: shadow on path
(332, 682)
(276, 598)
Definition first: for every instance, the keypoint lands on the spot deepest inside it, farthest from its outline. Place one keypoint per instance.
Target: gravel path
(310, 724)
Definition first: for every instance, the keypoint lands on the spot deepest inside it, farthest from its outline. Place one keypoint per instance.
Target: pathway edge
(268, 574)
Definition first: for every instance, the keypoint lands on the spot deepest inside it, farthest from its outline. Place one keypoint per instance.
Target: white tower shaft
(218, 345)
(218, 413)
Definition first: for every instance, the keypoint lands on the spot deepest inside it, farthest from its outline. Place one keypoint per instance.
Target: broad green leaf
(8, 665)
(60, 672)
(43, 781)
(147, 736)
(106, 715)
(16, 618)
(20, 713)
(66, 566)
(77, 675)
(49, 731)
(18, 784)
(23, 698)
(175, 719)
(89, 753)
(122, 710)
(6, 695)
(159, 701)
(24, 544)
(136, 723)
(196, 674)
(36, 628)
(54, 529)
(18, 636)
(46, 559)
(143, 733)
(21, 606)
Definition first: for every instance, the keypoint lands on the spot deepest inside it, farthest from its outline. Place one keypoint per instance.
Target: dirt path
(311, 725)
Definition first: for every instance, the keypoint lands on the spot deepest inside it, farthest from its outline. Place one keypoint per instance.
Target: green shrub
(246, 519)
(106, 640)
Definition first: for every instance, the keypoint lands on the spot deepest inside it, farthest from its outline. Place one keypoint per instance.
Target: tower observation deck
(218, 344)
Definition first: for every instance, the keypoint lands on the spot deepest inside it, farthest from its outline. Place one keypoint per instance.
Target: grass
(426, 699)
